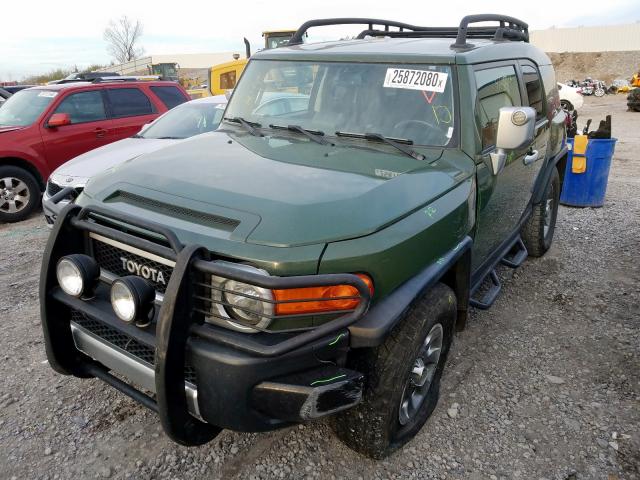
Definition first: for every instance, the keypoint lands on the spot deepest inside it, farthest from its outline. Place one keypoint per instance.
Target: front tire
(403, 378)
(537, 233)
(19, 194)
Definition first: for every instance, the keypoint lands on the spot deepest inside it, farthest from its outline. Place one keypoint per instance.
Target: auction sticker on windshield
(426, 80)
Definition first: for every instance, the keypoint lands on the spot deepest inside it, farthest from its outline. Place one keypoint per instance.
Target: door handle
(100, 132)
(530, 157)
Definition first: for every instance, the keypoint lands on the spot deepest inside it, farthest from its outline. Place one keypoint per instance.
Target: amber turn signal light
(320, 298)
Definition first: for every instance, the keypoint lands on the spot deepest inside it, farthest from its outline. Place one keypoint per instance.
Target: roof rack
(297, 37)
(509, 29)
(126, 79)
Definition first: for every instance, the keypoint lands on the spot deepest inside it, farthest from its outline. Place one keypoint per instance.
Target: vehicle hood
(103, 158)
(279, 191)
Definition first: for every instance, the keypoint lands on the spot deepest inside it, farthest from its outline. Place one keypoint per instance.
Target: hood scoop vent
(208, 219)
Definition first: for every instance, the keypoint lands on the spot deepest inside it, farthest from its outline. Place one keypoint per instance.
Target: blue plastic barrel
(588, 189)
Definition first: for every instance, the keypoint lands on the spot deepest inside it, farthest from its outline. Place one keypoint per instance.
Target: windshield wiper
(314, 135)
(397, 143)
(251, 127)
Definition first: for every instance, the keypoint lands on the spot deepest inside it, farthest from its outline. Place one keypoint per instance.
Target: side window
(551, 88)
(228, 80)
(128, 102)
(535, 93)
(497, 87)
(298, 104)
(272, 108)
(83, 107)
(170, 96)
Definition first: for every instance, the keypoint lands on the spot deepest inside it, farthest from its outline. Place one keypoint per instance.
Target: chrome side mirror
(515, 130)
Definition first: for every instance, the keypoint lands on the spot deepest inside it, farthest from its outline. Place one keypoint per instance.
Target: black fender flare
(373, 328)
(545, 175)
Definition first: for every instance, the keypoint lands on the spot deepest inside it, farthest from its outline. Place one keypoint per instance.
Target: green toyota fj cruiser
(315, 255)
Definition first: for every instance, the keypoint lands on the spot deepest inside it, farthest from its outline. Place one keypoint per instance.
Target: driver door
(502, 198)
(89, 128)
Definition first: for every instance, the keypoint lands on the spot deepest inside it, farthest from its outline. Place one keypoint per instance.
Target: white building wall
(196, 60)
(610, 38)
(185, 60)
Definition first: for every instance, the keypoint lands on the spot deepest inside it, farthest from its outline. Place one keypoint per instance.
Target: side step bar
(514, 257)
(490, 296)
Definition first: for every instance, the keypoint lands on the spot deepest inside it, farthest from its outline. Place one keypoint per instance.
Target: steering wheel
(432, 129)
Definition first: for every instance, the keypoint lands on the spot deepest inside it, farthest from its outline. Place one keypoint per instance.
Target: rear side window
(128, 102)
(83, 107)
(228, 80)
(170, 96)
(533, 85)
(497, 88)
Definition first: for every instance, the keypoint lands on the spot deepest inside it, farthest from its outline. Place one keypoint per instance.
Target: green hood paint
(283, 191)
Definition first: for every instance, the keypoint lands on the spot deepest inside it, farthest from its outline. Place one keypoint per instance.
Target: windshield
(409, 102)
(275, 41)
(24, 107)
(186, 120)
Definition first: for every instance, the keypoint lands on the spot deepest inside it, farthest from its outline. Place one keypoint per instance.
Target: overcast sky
(42, 35)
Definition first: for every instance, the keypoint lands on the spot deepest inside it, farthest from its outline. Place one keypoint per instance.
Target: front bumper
(54, 200)
(198, 377)
(49, 210)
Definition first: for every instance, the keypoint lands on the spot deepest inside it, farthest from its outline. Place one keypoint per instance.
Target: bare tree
(122, 37)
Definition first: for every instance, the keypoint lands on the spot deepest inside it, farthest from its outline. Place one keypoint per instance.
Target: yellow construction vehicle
(277, 38)
(223, 77)
(166, 71)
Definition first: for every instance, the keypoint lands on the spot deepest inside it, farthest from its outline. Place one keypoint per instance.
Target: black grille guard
(177, 320)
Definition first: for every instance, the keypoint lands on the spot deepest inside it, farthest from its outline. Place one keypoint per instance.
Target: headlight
(77, 275)
(132, 300)
(245, 304)
(248, 308)
(240, 301)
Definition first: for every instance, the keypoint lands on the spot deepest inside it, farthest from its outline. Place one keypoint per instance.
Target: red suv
(43, 127)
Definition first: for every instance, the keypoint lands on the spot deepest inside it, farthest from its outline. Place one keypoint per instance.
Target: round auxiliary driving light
(132, 299)
(77, 275)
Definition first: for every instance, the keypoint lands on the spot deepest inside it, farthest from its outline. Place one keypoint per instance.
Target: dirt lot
(605, 66)
(547, 382)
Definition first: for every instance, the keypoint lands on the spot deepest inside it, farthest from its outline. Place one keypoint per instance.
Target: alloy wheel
(548, 210)
(422, 375)
(14, 195)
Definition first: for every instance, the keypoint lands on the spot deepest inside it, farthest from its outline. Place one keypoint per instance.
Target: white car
(184, 121)
(570, 97)
(4, 96)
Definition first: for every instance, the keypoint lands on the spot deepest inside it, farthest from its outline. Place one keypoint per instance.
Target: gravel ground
(545, 385)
